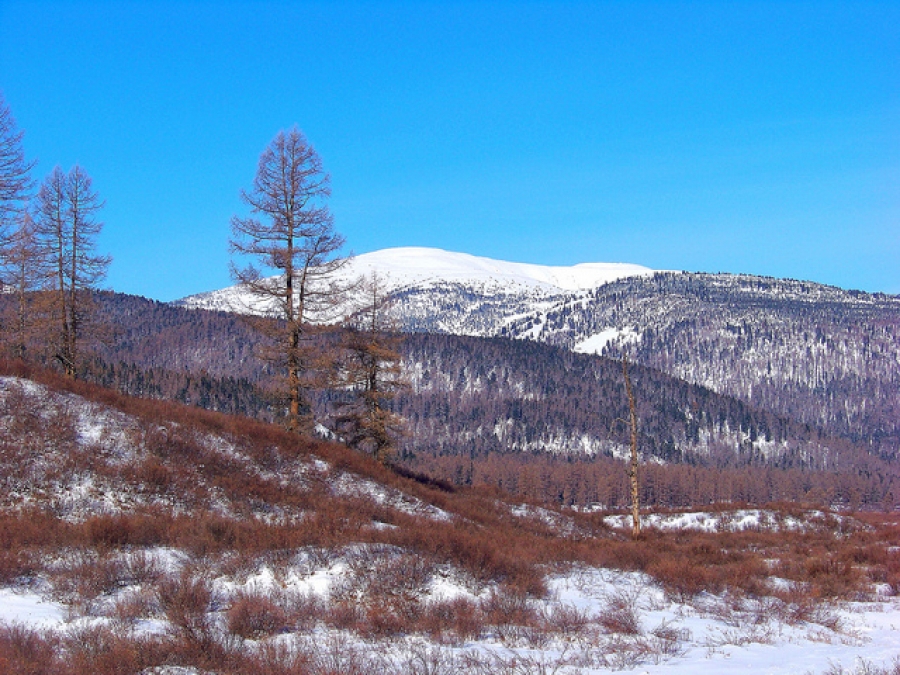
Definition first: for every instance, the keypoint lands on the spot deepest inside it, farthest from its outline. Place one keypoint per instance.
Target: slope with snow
(321, 604)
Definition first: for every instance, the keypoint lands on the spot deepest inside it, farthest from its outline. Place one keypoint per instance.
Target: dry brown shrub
(253, 615)
(275, 659)
(135, 606)
(821, 572)
(509, 613)
(385, 621)
(682, 578)
(620, 615)
(153, 474)
(101, 650)
(87, 576)
(304, 610)
(832, 578)
(337, 654)
(108, 531)
(26, 651)
(566, 620)
(33, 528)
(186, 599)
(453, 621)
(669, 641)
(14, 565)
(344, 614)
(497, 554)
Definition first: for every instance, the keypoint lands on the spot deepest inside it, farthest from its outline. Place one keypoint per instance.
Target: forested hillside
(821, 355)
(498, 411)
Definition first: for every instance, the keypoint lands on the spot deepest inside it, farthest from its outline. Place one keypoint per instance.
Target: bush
(253, 615)
(453, 621)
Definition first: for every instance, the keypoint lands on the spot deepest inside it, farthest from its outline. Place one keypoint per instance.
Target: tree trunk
(633, 469)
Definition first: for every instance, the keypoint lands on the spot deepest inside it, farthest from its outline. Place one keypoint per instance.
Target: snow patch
(596, 343)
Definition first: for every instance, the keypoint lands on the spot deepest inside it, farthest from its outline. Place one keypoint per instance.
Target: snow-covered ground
(597, 342)
(723, 521)
(709, 635)
(591, 621)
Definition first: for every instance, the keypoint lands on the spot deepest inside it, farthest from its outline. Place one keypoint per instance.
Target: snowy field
(631, 625)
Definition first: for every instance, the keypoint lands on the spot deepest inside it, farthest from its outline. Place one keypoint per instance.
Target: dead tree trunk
(633, 469)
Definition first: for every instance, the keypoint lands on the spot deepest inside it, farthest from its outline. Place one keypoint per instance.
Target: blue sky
(759, 137)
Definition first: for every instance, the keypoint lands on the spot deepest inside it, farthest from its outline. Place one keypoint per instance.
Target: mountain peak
(425, 268)
(416, 265)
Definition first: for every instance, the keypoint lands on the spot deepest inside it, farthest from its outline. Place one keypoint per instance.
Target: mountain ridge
(818, 354)
(402, 268)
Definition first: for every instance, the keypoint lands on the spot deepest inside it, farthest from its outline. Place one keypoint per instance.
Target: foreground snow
(708, 635)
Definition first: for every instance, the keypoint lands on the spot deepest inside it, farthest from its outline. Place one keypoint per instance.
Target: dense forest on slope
(820, 355)
(478, 396)
(548, 424)
(473, 394)
(494, 410)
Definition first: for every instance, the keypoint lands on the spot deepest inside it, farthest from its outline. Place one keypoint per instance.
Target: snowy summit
(421, 267)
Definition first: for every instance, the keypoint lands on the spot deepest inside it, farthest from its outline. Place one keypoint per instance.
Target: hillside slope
(820, 355)
(816, 354)
(480, 410)
(143, 537)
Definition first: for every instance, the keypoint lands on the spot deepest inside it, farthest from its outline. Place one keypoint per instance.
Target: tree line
(48, 257)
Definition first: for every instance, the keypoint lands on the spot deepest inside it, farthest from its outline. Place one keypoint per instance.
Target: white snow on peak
(417, 265)
(428, 268)
(405, 267)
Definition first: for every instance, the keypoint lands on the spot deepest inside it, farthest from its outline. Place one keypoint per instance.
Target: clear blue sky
(758, 137)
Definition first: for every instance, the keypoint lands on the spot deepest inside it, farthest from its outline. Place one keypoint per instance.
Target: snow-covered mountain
(821, 355)
(413, 271)
(408, 266)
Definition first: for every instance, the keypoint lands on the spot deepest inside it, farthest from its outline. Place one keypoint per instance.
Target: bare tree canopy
(15, 172)
(24, 271)
(67, 229)
(290, 231)
(371, 372)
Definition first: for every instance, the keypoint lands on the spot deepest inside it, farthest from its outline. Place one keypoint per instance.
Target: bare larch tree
(15, 172)
(67, 230)
(371, 374)
(15, 192)
(633, 468)
(291, 231)
(24, 269)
